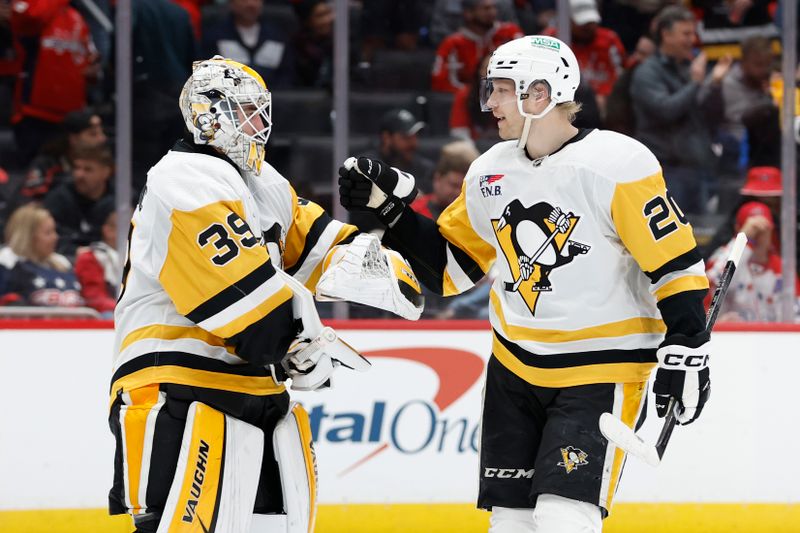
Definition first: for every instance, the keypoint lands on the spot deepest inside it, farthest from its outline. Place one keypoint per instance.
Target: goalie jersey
(201, 303)
(595, 260)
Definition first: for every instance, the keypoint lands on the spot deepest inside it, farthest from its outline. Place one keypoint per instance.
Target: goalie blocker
(366, 273)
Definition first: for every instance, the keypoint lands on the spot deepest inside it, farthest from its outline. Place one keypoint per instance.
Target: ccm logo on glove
(691, 361)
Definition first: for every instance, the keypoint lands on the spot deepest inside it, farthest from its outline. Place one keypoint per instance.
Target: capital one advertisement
(411, 421)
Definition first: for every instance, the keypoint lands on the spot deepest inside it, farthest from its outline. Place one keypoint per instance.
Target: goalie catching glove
(373, 186)
(317, 351)
(683, 374)
(366, 273)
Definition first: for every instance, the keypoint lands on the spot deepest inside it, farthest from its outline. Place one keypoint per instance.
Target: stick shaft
(711, 317)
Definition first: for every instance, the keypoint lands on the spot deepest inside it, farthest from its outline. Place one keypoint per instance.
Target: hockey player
(599, 282)
(213, 297)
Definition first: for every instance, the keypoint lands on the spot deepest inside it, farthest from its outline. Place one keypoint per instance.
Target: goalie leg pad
(297, 462)
(508, 520)
(557, 514)
(217, 475)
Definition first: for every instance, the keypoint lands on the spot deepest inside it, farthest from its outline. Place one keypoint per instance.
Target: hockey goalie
(216, 318)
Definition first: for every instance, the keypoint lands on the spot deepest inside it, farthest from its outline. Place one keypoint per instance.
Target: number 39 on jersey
(219, 236)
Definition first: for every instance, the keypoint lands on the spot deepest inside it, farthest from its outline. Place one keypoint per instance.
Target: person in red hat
(764, 185)
(754, 295)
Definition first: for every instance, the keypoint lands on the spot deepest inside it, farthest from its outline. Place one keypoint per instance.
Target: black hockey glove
(683, 374)
(373, 186)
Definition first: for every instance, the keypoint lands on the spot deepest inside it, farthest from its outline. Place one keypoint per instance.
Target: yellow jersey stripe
(682, 284)
(179, 375)
(448, 287)
(237, 325)
(455, 226)
(572, 376)
(344, 232)
(305, 215)
(621, 328)
(167, 332)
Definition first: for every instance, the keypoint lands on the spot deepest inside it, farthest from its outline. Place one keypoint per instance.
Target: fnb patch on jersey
(487, 184)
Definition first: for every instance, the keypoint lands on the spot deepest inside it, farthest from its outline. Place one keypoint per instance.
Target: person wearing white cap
(599, 282)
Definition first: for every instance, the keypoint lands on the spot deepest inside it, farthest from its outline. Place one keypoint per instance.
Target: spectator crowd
(697, 81)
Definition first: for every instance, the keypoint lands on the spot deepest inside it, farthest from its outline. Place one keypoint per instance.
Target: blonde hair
(456, 156)
(571, 109)
(20, 231)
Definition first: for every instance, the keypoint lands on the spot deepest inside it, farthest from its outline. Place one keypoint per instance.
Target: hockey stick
(539, 252)
(624, 437)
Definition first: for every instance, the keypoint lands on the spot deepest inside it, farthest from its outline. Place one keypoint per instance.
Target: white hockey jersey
(200, 303)
(585, 241)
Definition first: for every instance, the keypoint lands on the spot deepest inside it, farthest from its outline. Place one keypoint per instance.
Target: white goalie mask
(529, 60)
(227, 105)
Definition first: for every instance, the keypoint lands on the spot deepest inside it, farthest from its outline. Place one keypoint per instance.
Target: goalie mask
(227, 105)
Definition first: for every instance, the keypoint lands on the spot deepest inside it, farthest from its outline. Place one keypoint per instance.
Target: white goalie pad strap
(363, 272)
(216, 478)
(678, 357)
(297, 463)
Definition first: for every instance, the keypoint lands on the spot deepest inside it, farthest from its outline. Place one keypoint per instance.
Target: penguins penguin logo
(535, 240)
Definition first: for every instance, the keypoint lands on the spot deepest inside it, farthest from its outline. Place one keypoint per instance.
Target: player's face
(45, 238)
(502, 103)
(252, 126)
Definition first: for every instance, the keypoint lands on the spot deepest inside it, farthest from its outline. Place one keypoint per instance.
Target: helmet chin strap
(529, 118)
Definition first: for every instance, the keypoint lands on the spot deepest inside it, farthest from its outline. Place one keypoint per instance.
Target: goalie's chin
(364, 272)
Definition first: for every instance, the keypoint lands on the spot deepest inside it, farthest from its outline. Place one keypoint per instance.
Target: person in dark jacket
(246, 35)
(313, 44)
(164, 47)
(53, 165)
(79, 206)
(676, 107)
